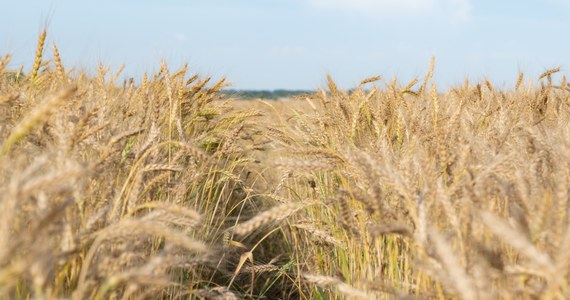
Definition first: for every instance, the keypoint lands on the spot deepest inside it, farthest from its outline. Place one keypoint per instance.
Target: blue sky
(268, 44)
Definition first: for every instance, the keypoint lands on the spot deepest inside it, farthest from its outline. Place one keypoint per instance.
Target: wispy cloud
(181, 37)
(457, 10)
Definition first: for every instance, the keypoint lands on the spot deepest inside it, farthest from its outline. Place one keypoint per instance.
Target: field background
(171, 189)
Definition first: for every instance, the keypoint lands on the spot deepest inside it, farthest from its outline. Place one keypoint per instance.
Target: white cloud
(457, 10)
(181, 37)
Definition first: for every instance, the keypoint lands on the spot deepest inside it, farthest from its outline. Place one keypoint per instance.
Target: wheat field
(169, 189)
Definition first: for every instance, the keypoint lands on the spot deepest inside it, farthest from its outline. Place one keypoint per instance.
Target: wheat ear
(39, 53)
(37, 116)
(269, 216)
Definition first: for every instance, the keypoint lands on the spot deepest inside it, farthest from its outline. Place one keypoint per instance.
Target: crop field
(165, 187)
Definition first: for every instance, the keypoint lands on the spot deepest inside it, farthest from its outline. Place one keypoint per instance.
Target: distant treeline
(265, 94)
